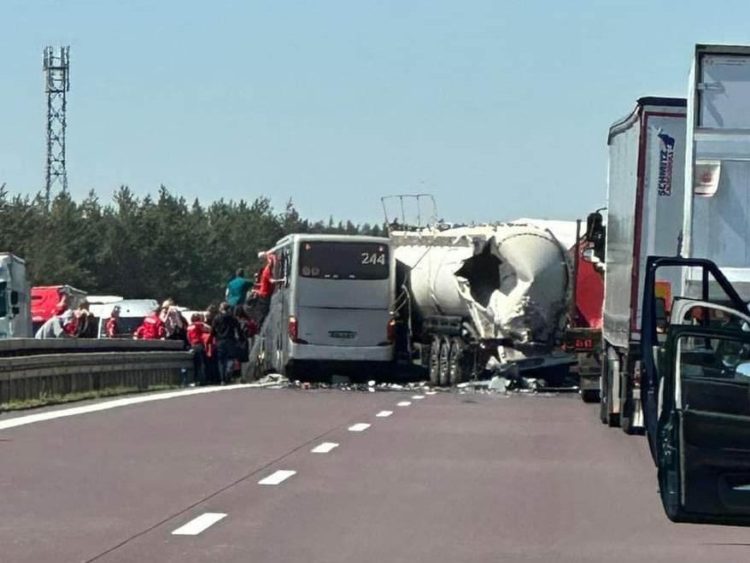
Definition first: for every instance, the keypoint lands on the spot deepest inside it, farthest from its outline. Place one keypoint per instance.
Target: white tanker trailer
(471, 298)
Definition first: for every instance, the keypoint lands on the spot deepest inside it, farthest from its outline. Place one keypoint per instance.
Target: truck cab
(15, 311)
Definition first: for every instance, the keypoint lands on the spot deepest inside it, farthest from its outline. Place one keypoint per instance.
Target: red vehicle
(584, 334)
(45, 299)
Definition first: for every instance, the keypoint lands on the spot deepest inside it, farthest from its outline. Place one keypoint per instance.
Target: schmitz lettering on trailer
(666, 160)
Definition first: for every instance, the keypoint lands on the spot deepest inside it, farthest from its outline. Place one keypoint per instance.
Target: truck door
(703, 429)
(696, 383)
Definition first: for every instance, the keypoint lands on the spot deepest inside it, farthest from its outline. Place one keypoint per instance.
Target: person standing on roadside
(152, 328)
(175, 325)
(197, 331)
(237, 288)
(226, 331)
(112, 326)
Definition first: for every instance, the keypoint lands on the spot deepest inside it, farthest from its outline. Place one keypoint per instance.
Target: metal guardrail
(40, 376)
(33, 346)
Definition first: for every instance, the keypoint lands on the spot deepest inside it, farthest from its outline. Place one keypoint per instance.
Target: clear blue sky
(500, 108)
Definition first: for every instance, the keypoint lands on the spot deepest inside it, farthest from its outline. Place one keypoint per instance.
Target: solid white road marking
(199, 524)
(383, 414)
(359, 427)
(106, 405)
(404, 404)
(324, 448)
(278, 477)
(417, 397)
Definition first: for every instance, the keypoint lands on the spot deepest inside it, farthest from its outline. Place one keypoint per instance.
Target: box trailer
(644, 216)
(717, 203)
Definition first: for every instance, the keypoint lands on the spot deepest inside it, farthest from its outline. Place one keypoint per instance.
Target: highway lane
(75, 487)
(450, 477)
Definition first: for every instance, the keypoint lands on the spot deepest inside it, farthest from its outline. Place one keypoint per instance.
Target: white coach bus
(331, 307)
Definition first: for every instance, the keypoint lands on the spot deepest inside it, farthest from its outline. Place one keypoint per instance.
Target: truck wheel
(590, 396)
(444, 363)
(434, 366)
(456, 371)
(603, 406)
(626, 414)
(610, 419)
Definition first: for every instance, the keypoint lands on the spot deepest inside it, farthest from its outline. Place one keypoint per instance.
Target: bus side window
(286, 266)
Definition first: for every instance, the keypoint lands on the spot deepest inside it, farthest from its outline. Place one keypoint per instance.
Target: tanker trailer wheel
(435, 361)
(456, 362)
(444, 367)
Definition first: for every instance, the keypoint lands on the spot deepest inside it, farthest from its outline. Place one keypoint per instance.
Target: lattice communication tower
(56, 85)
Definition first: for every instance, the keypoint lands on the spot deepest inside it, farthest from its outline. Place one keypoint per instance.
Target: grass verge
(48, 400)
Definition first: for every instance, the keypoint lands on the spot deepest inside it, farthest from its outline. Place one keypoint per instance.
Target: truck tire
(434, 366)
(590, 396)
(444, 363)
(626, 414)
(456, 361)
(603, 406)
(610, 419)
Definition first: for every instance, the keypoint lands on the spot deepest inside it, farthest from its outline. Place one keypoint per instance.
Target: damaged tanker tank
(481, 298)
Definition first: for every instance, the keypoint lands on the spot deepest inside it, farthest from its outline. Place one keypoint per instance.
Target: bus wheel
(456, 362)
(435, 361)
(444, 363)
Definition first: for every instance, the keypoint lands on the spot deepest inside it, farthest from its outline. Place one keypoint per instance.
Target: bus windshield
(344, 260)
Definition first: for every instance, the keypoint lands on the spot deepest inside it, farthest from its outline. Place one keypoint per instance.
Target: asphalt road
(448, 478)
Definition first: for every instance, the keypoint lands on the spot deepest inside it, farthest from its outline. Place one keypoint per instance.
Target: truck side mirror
(14, 298)
(594, 226)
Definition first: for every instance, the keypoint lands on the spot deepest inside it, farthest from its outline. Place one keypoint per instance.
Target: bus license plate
(342, 334)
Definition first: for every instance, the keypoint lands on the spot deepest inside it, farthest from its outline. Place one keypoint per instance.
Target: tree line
(144, 247)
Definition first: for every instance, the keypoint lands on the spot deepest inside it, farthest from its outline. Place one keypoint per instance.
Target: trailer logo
(666, 161)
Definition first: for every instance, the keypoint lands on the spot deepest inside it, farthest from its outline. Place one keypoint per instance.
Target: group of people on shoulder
(69, 323)
(164, 323)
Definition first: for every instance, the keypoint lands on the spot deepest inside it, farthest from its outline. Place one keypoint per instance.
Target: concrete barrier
(40, 376)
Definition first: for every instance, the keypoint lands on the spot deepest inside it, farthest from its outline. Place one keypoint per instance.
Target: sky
(500, 109)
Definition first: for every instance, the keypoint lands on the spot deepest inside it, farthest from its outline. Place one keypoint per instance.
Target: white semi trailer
(717, 203)
(470, 296)
(15, 300)
(644, 217)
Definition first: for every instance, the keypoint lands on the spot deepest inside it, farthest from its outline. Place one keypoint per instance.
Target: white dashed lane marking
(417, 397)
(278, 477)
(383, 414)
(404, 404)
(431, 393)
(199, 524)
(359, 427)
(324, 448)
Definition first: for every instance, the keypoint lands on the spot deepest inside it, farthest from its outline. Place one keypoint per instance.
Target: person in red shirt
(198, 333)
(152, 328)
(64, 303)
(265, 289)
(111, 327)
